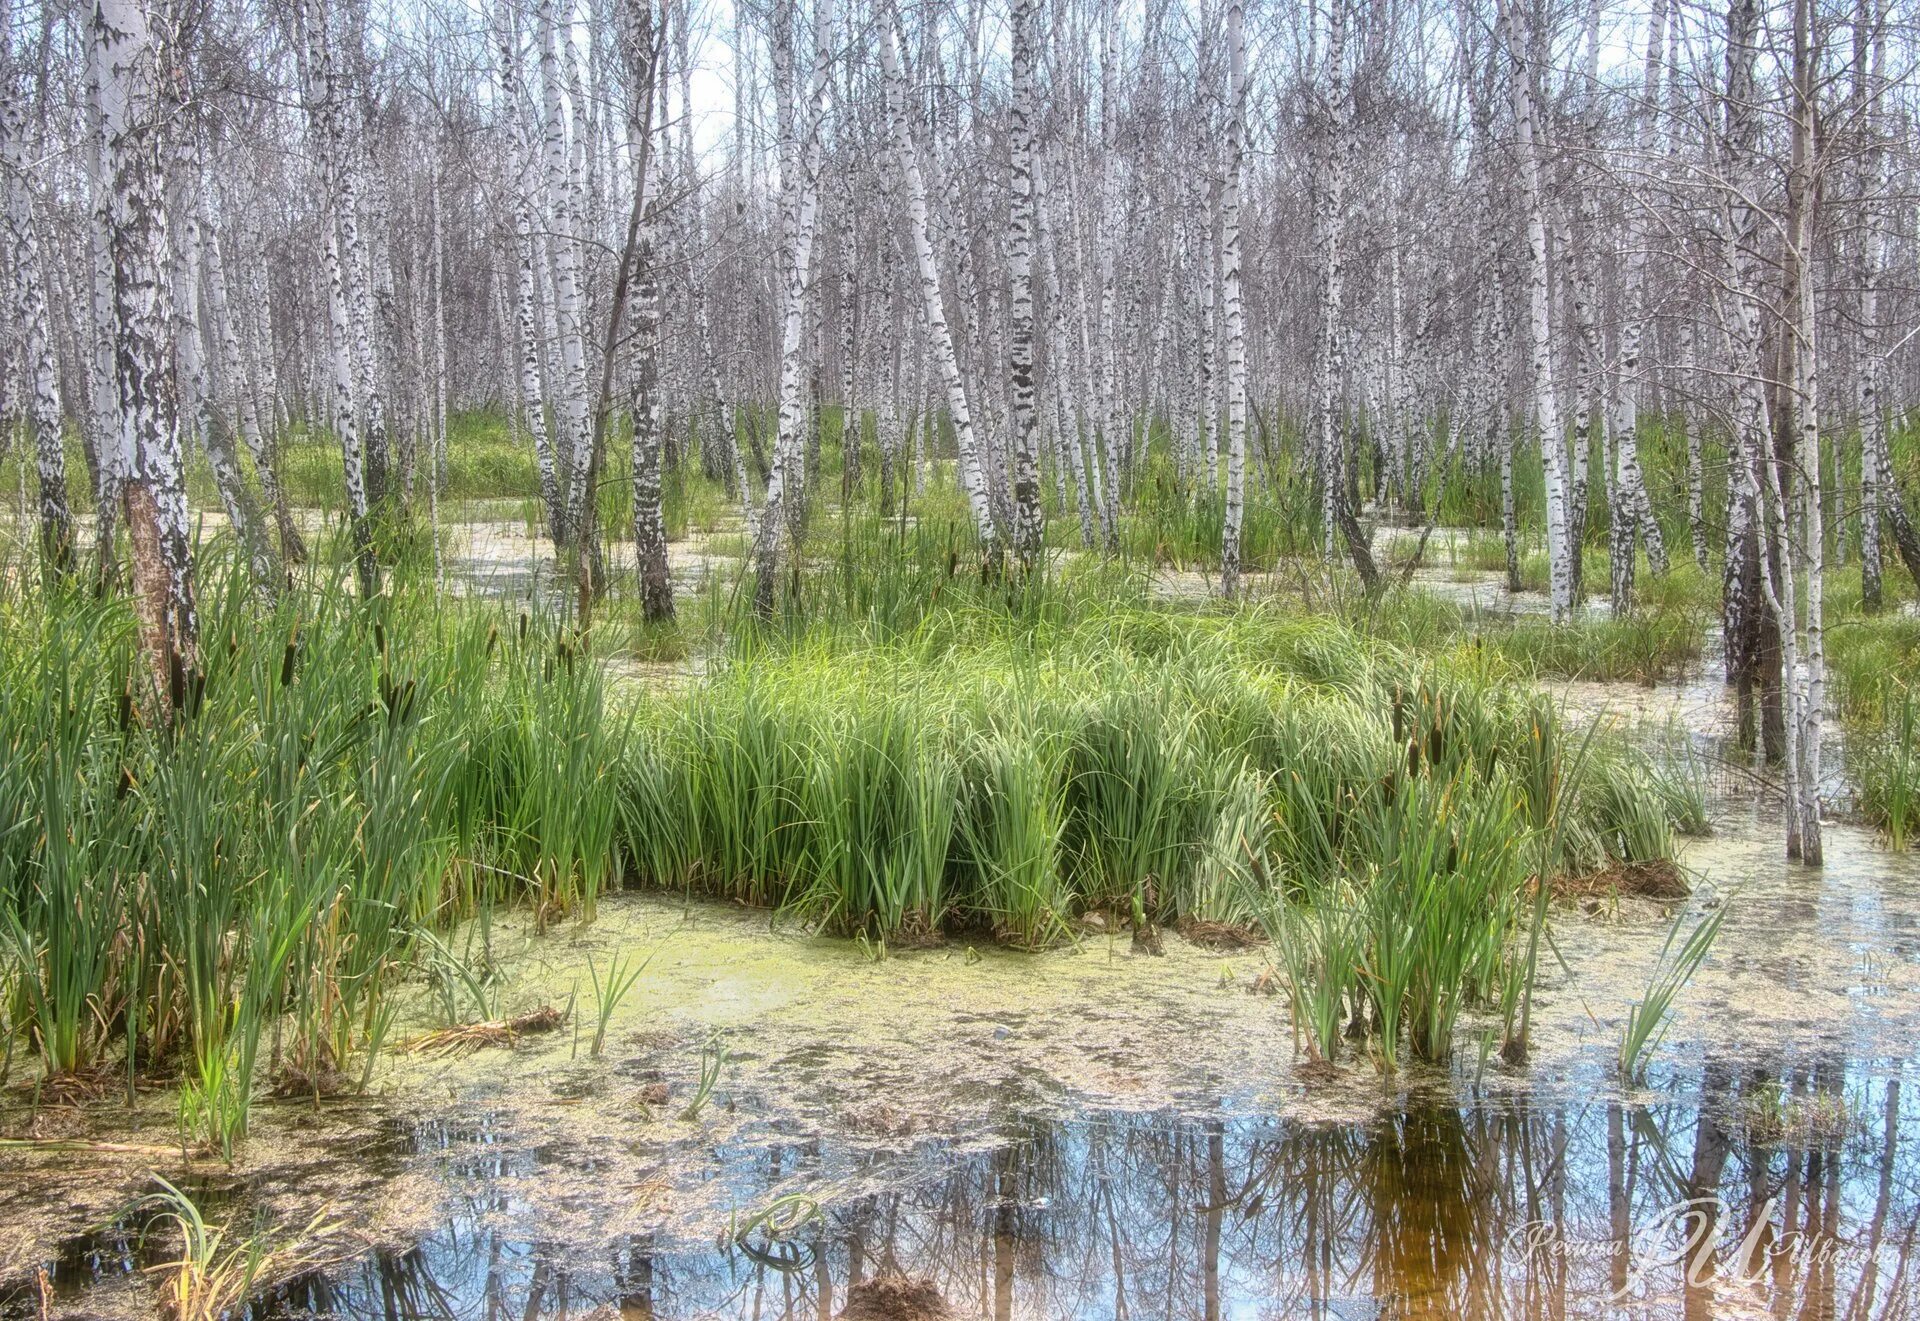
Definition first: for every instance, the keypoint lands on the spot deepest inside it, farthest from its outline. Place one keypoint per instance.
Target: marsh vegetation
(888, 661)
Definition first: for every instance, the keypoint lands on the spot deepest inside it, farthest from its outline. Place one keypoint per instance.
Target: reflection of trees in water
(1426, 1240)
(1425, 1211)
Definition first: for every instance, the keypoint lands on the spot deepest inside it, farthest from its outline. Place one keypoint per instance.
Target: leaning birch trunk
(30, 313)
(972, 476)
(155, 493)
(1028, 531)
(1231, 312)
(1546, 406)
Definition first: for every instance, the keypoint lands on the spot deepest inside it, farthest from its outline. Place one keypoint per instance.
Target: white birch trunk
(526, 285)
(1546, 406)
(321, 91)
(134, 118)
(1632, 512)
(43, 412)
(649, 524)
(563, 246)
(1231, 312)
(972, 476)
(799, 189)
(1028, 531)
(110, 457)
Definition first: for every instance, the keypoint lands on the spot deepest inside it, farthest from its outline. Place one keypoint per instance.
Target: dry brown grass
(497, 1032)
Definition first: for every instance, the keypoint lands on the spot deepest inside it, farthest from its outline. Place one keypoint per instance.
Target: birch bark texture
(1232, 313)
(134, 122)
(1028, 529)
(1546, 404)
(31, 316)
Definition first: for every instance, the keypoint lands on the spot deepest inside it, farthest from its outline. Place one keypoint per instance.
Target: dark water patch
(89, 1266)
(1743, 1191)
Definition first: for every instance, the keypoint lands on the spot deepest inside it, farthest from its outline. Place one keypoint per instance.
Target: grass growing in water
(621, 976)
(254, 879)
(245, 892)
(1647, 1020)
(214, 1275)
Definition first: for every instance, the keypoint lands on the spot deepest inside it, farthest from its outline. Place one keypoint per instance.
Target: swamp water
(1088, 1132)
(1507, 1209)
(1098, 1133)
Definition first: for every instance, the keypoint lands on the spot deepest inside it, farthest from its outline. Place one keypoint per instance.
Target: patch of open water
(1736, 1190)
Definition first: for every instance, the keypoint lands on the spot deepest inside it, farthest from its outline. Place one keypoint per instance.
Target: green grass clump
(915, 743)
(1152, 765)
(252, 876)
(1872, 661)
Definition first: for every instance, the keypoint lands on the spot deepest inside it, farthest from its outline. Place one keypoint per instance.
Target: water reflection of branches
(1441, 1209)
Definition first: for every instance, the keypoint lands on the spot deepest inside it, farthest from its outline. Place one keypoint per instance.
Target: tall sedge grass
(878, 805)
(1873, 661)
(1649, 1017)
(1379, 812)
(1010, 842)
(244, 891)
(1887, 767)
(242, 888)
(1096, 766)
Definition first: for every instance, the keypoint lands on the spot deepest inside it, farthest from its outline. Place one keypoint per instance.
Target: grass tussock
(935, 749)
(241, 890)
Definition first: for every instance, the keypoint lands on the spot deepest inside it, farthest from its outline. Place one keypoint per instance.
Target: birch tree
(43, 412)
(800, 200)
(973, 477)
(1232, 316)
(1632, 512)
(1546, 404)
(349, 387)
(649, 524)
(134, 122)
(1749, 621)
(1028, 533)
(526, 256)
